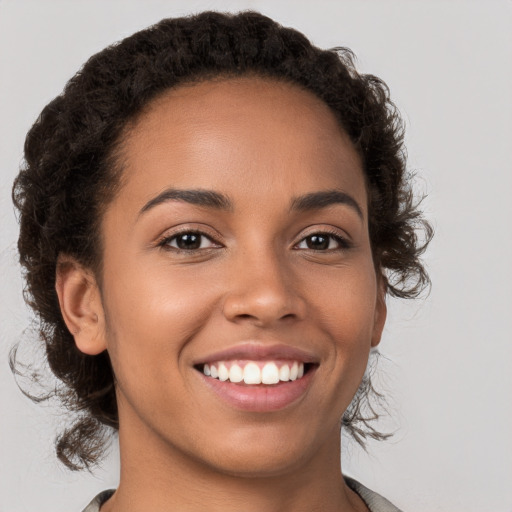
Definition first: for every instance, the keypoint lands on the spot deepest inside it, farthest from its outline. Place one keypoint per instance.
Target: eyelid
(168, 241)
(202, 230)
(340, 235)
(327, 229)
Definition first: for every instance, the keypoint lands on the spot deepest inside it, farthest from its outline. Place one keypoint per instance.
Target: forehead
(246, 135)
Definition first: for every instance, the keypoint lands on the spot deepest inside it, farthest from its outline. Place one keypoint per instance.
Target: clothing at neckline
(375, 502)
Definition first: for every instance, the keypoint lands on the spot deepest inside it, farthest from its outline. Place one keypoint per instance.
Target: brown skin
(261, 144)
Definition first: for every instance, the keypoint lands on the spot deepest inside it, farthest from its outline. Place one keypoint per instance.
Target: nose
(263, 291)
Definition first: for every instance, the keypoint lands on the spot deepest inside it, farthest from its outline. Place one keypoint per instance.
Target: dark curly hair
(72, 171)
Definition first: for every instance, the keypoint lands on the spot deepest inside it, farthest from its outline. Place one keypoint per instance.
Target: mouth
(254, 373)
(258, 379)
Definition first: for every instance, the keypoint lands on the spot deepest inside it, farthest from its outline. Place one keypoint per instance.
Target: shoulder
(95, 504)
(375, 502)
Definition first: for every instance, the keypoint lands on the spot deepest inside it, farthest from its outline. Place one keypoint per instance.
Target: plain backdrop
(447, 358)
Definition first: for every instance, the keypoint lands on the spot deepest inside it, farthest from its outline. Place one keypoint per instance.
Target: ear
(381, 311)
(80, 304)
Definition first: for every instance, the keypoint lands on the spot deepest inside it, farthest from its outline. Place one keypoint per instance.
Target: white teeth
(294, 371)
(270, 374)
(223, 372)
(236, 374)
(252, 374)
(284, 373)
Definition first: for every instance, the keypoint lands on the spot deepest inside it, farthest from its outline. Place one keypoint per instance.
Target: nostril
(263, 305)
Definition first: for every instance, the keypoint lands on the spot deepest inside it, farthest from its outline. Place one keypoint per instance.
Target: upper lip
(259, 352)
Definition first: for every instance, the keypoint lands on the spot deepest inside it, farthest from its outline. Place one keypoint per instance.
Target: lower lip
(260, 398)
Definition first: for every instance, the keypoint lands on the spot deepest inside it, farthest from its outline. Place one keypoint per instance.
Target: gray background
(447, 358)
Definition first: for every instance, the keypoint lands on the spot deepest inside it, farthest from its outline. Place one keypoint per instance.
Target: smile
(258, 378)
(255, 372)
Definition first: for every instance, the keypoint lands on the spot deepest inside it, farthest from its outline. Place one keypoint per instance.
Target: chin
(258, 464)
(266, 451)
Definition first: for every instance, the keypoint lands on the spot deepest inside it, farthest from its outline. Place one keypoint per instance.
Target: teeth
(294, 371)
(236, 374)
(284, 373)
(254, 373)
(270, 374)
(223, 372)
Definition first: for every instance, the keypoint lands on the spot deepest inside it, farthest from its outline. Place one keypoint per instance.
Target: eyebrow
(218, 201)
(206, 198)
(324, 198)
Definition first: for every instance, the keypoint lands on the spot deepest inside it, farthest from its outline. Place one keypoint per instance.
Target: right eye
(188, 241)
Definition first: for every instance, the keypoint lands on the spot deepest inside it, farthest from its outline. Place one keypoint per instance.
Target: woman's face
(239, 240)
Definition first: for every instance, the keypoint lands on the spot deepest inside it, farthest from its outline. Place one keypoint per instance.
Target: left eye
(321, 242)
(189, 241)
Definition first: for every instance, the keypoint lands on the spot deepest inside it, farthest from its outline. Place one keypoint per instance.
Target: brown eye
(322, 242)
(189, 241)
(317, 242)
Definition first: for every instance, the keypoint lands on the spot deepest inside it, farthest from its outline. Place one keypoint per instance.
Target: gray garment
(96, 503)
(375, 502)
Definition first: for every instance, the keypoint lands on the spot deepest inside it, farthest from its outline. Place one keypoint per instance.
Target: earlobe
(381, 311)
(80, 304)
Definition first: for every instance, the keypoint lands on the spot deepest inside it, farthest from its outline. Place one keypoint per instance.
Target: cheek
(154, 296)
(150, 316)
(345, 309)
(345, 300)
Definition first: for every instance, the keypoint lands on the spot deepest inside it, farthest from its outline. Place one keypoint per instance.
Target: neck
(157, 476)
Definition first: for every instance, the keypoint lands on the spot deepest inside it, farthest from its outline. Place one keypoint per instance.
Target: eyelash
(342, 243)
(165, 243)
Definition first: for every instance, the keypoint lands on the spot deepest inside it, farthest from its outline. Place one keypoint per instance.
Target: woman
(212, 214)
